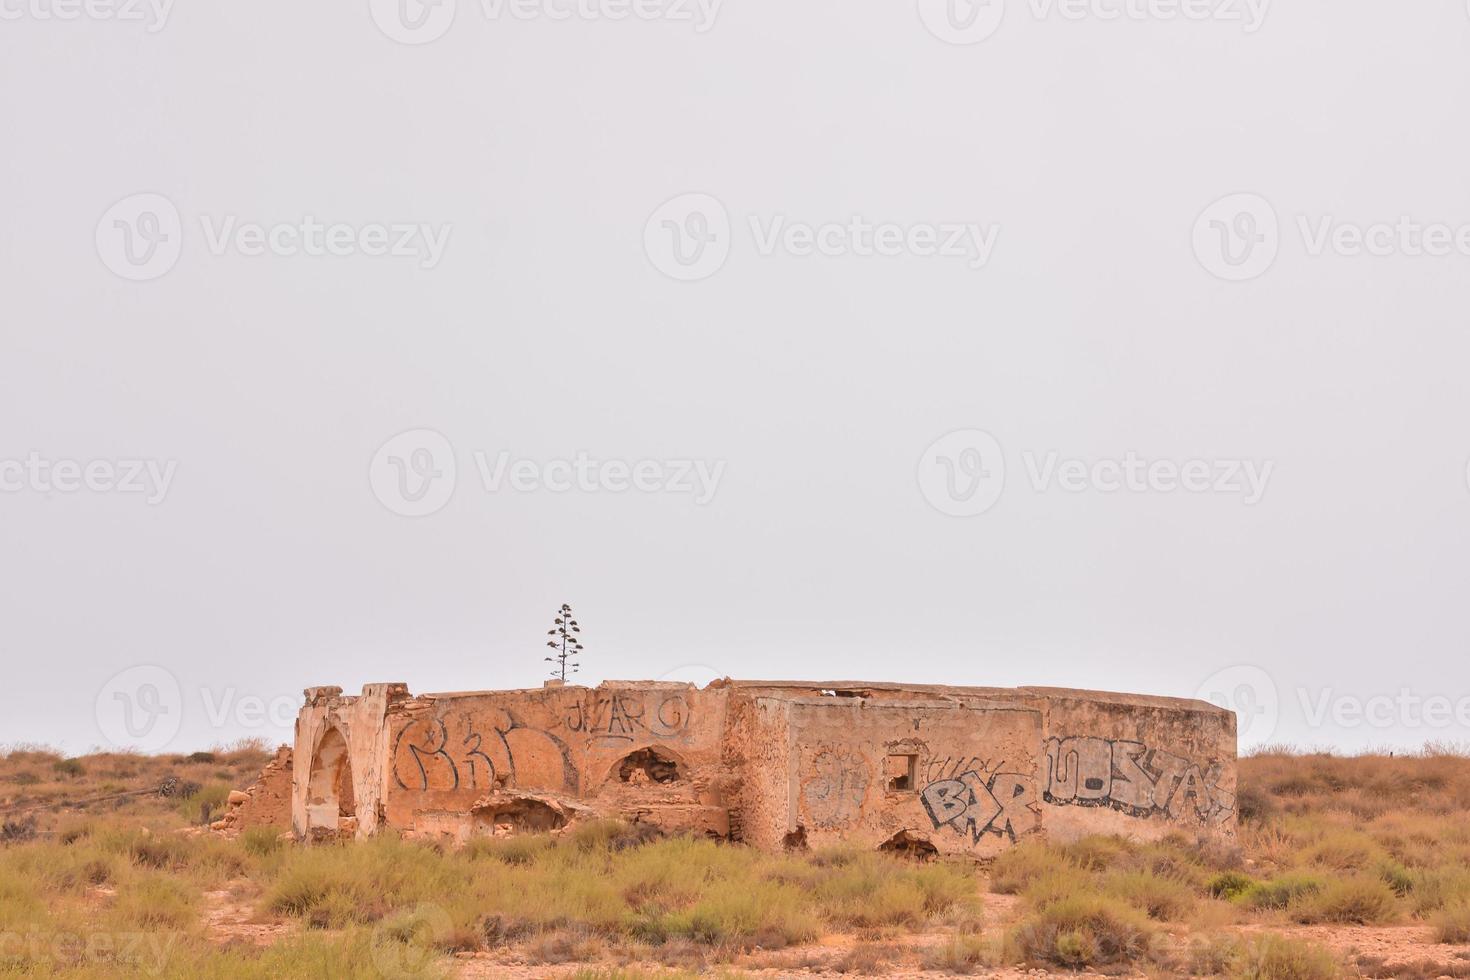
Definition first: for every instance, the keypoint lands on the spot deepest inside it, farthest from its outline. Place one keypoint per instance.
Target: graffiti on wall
(937, 767)
(834, 787)
(627, 716)
(1134, 778)
(972, 805)
(462, 753)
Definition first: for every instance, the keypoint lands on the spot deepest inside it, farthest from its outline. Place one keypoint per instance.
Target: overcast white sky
(903, 320)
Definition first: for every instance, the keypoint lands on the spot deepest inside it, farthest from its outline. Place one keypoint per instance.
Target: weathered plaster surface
(776, 764)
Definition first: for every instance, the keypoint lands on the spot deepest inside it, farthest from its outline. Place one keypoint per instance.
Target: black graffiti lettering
(623, 716)
(426, 751)
(1131, 777)
(970, 805)
(473, 741)
(672, 716)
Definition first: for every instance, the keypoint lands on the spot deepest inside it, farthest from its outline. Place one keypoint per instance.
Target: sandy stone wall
(775, 764)
(1135, 765)
(265, 803)
(958, 776)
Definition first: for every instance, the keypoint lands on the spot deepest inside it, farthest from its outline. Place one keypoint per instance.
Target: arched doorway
(329, 797)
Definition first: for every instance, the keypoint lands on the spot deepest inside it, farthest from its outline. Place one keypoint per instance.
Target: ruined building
(947, 770)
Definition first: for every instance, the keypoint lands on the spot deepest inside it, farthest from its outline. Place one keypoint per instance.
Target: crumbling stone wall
(776, 764)
(1135, 765)
(265, 803)
(958, 776)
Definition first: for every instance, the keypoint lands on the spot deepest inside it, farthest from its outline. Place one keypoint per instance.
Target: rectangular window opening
(901, 771)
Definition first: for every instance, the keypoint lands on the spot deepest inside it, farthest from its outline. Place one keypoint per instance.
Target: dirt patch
(230, 917)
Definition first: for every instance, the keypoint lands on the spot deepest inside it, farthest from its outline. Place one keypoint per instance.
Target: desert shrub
(205, 757)
(519, 849)
(867, 959)
(20, 900)
(945, 887)
(17, 829)
(1253, 804)
(1054, 886)
(1452, 924)
(71, 768)
(1014, 869)
(1214, 956)
(963, 952)
(878, 890)
(1082, 931)
(1157, 896)
(1342, 851)
(154, 902)
(205, 801)
(1395, 876)
(1097, 853)
(1273, 957)
(1438, 888)
(1357, 901)
(1178, 859)
(261, 841)
(564, 946)
(1279, 892)
(1230, 885)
